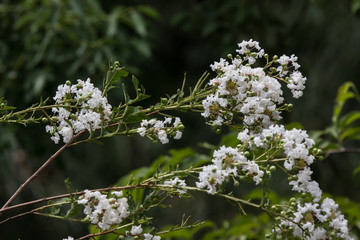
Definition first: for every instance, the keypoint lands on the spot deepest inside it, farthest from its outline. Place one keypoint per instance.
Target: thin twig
(72, 194)
(343, 150)
(35, 174)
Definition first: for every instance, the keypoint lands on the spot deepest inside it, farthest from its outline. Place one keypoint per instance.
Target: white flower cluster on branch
(105, 211)
(244, 95)
(157, 129)
(251, 97)
(137, 231)
(84, 108)
(252, 93)
(227, 162)
(317, 221)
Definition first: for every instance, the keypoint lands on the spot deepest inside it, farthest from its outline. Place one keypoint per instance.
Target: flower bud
(229, 56)
(289, 107)
(68, 83)
(275, 57)
(319, 152)
(236, 183)
(247, 154)
(44, 120)
(164, 101)
(272, 168)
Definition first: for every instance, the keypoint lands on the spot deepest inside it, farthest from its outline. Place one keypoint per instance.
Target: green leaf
(357, 170)
(342, 96)
(68, 185)
(135, 82)
(355, 6)
(74, 210)
(348, 119)
(138, 23)
(149, 11)
(114, 76)
(350, 133)
(133, 114)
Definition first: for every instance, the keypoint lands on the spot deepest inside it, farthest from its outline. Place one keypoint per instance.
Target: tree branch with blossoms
(246, 95)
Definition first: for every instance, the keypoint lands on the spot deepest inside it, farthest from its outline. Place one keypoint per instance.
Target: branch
(343, 150)
(3, 209)
(35, 174)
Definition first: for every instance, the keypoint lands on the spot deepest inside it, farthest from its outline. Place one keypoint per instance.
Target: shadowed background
(44, 43)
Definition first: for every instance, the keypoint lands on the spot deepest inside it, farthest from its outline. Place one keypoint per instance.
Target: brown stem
(35, 174)
(72, 194)
(343, 150)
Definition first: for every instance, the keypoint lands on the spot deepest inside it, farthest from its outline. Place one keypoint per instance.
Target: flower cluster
(251, 97)
(176, 182)
(227, 162)
(105, 211)
(84, 108)
(251, 93)
(296, 146)
(137, 231)
(315, 221)
(157, 129)
(296, 81)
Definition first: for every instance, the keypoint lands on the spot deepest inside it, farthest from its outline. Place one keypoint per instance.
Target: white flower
(210, 177)
(253, 168)
(148, 236)
(313, 217)
(92, 110)
(68, 238)
(104, 211)
(157, 129)
(296, 84)
(163, 136)
(136, 230)
(176, 182)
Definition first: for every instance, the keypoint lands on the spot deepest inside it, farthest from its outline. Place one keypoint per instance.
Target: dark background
(44, 43)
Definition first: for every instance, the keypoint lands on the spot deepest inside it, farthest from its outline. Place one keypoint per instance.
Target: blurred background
(43, 43)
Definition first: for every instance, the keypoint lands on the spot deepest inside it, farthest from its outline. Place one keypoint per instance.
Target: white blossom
(68, 238)
(313, 218)
(157, 129)
(94, 109)
(177, 182)
(136, 230)
(104, 211)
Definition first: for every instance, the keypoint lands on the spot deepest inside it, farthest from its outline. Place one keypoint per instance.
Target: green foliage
(345, 126)
(57, 40)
